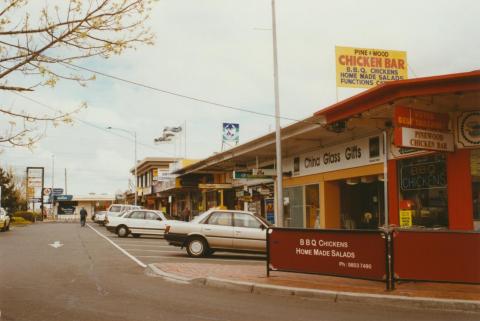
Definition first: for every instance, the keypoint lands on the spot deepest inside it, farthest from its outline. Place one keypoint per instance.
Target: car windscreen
(199, 218)
(115, 209)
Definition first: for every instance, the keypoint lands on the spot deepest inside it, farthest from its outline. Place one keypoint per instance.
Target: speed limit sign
(47, 191)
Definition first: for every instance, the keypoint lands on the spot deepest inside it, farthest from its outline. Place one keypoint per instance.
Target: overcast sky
(220, 50)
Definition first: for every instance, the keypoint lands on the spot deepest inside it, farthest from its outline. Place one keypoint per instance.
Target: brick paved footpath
(257, 274)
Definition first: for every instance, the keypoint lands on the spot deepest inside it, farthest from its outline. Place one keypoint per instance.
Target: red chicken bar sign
(356, 254)
(415, 118)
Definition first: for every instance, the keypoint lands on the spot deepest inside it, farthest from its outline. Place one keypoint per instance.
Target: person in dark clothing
(83, 216)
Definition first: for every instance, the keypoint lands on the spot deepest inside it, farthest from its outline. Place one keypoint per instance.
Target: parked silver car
(223, 230)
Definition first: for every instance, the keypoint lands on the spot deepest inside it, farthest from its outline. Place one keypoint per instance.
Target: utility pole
(66, 181)
(53, 185)
(278, 139)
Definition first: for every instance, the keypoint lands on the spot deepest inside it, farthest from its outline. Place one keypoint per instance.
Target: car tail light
(167, 228)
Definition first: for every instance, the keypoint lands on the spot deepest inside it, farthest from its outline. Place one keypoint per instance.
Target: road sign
(57, 191)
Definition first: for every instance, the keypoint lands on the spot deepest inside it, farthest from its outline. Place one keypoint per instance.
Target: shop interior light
(353, 181)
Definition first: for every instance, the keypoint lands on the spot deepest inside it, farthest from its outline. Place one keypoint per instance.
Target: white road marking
(146, 250)
(56, 244)
(199, 259)
(146, 245)
(121, 249)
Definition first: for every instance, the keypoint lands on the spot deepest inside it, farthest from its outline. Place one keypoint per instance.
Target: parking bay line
(118, 247)
(159, 251)
(198, 259)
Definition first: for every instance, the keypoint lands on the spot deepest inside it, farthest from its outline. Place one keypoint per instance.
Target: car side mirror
(159, 219)
(262, 227)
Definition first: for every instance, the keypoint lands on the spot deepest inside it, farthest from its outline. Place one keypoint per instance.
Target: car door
(218, 229)
(136, 222)
(248, 233)
(154, 224)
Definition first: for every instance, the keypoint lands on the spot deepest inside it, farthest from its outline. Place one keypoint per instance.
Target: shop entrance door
(362, 204)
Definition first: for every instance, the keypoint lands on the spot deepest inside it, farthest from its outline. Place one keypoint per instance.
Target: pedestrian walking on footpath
(83, 216)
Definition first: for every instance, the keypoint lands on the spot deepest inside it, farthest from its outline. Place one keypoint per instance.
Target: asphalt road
(89, 279)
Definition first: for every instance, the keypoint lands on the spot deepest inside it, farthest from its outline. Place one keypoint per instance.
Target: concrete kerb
(324, 295)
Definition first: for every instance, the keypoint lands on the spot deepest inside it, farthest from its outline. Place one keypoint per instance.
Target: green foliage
(11, 195)
(17, 220)
(26, 215)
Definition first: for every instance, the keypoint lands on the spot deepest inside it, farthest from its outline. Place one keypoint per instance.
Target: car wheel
(136, 235)
(197, 247)
(122, 231)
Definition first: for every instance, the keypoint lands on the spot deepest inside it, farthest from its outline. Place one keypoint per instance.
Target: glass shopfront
(293, 207)
(302, 206)
(475, 171)
(423, 191)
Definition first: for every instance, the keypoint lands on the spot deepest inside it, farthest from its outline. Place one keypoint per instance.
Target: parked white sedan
(137, 222)
(4, 220)
(222, 230)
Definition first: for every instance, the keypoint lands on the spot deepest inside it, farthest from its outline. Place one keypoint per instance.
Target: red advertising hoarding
(436, 256)
(357, 254)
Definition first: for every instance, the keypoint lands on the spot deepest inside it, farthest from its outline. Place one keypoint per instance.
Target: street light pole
(134, 134)
(278, 139)
(136, 178)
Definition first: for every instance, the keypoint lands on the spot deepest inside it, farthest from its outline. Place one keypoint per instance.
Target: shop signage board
(269, 210)
(57, 191)
(230, 132)
(356, 153)
(468, 130)
(214, 186)
(63, 198)
(422, 176)
(415, 118)
(366, 68)
(423, 139)
(356, 254)
(406, 218)
(436, 256)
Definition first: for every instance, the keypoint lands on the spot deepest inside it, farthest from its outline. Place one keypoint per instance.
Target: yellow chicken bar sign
(366, 68)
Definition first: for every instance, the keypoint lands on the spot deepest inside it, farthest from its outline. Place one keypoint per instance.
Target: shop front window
(423, 192)
(475, 171)
(293, 207)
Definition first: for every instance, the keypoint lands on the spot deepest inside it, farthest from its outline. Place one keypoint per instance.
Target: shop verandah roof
(367, 113)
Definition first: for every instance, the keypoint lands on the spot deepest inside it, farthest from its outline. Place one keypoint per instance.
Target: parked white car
(225, 230)
(137, 222)
(114, 210)
(4, 220)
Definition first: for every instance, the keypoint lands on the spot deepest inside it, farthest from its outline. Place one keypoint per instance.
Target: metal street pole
(51, 193)
(278, 139)
(136, 178)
